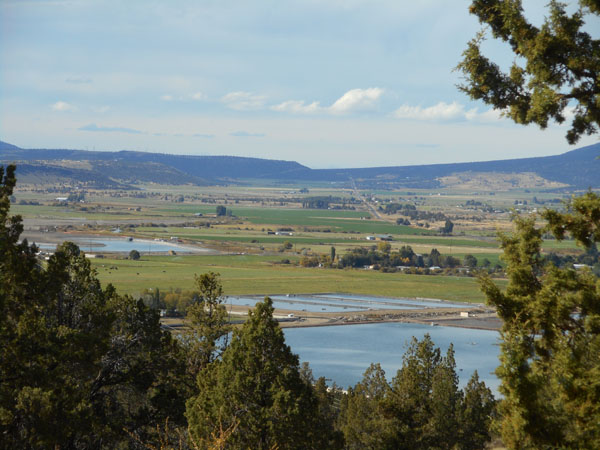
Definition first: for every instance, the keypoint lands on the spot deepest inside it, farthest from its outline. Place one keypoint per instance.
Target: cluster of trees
(422, 408)
(590, 257)
(317, 202)
(394, 208)
(411, 212)
(80, 366)
(382, 256)
(174, 301)
(326, 202)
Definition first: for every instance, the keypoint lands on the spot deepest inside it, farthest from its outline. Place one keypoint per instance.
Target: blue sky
(327, 83)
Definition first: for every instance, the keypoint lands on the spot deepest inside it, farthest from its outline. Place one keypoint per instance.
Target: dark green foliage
(421, 409)
(581, 220)
(209, 326)
(448, 227)
(80, 366)
(134, 255)
(364, 421)
(257, 385)
(318, 202)
(550, 347)
(558, 65)
(476, 414)
(470, 261)
(221, 210)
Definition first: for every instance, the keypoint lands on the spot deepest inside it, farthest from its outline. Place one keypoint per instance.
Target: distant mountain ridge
(578, 168)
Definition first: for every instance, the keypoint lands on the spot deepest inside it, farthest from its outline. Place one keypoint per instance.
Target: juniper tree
(556, 72)
(257, 386)
(80, 366)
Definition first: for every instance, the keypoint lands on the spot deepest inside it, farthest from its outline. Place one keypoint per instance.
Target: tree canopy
(422, 408)
(80, 366)
(257, 388)
(550, 346)
(556, 72)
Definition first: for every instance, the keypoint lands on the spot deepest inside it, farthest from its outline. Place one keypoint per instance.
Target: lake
(343, 353)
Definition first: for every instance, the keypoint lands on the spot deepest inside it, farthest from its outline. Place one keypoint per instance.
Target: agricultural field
(258, 241)
(265, 275)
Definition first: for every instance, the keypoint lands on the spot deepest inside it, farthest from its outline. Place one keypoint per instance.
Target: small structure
(371, 238)
(465, 314)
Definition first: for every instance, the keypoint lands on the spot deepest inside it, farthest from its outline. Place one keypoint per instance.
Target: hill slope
(578, 168)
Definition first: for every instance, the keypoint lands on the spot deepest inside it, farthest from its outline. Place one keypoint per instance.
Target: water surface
(124, 246)
(343, 353)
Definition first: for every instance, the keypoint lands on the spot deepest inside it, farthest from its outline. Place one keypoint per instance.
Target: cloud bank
(244, 101)
(446, 112)
(94, 127)
(246, 134)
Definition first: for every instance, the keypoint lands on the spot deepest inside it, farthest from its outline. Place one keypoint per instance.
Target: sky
(326, 83)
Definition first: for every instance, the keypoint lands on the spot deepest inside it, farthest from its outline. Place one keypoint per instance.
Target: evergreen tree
(257, 386)
(421, 409)
(80, 366)
(476, 414)
(209, 325)
(363, 420)
(550, 346)
(558, 65)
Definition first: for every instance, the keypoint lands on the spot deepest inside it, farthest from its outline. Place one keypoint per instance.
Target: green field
(251, 274)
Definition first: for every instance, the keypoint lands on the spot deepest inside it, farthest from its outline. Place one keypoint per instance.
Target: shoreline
(481, 319)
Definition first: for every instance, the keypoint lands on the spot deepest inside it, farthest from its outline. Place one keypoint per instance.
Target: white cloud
(441, 111)
(357, 100)
(447, 112)
(63, 106)
(166, 98)
(244, 101)
(198, 96)
(298, 106)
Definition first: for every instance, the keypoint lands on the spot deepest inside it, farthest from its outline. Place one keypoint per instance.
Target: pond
(124, 245)
(343, 353)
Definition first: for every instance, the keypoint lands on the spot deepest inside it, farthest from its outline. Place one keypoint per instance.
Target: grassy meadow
(260, 274)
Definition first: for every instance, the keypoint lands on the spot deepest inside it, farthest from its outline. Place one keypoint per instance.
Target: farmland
(259, 242)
